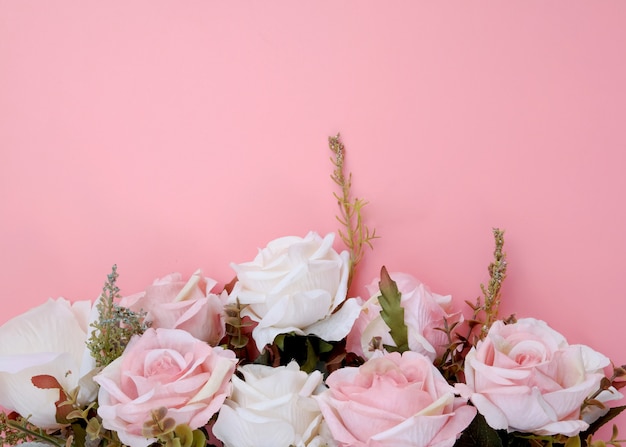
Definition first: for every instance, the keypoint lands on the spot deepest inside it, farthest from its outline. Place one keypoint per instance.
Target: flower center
(163, 365)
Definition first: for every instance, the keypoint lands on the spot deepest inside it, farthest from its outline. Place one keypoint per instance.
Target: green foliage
(309, 351)
(14, 431)
(236, 326)
(392, 312)
(115, 326)
(479, 434)
(356, 234)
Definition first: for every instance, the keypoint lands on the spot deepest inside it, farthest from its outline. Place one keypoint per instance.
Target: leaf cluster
(310, 352)
(15, 430)
(115, 326)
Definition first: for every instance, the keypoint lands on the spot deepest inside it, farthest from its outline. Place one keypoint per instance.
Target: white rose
(46, 341)
(273, 407)
(295, 285)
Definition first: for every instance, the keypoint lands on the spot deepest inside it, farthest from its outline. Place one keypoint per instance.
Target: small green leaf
(280, 341)
(392, 312)
(574, 441)
(324, 346)
(311, 358)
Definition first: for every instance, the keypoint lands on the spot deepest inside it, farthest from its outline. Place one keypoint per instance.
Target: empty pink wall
(169, 136)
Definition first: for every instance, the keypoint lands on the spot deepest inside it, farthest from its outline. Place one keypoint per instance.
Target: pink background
(170, 136)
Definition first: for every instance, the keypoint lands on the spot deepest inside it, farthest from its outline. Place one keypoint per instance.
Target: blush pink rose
(172, 303)
(424, 313)
(163, 368)
(526, 377)
(393, 400)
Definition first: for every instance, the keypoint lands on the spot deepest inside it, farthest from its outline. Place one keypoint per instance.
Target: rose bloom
(273, 407)
(296, 285)
(526, 377)
(172, 303)
(46, 345)
(163, 368)
(393, 400)
(424, 313)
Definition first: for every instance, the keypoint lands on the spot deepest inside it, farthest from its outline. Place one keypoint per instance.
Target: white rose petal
(296, 285)
(46, 340)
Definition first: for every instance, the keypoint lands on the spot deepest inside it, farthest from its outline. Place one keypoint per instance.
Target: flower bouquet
(284, 356)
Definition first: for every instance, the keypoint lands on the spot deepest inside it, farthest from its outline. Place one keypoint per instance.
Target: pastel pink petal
(133, 301)
(353, 415)
(569, 400)
(525, 411)
(459, 421)
(568, 428)
(484, 375)
(492, 413)
(389, 398)
(343, 375)
(197, 416)
(334, 421)
(417, 431)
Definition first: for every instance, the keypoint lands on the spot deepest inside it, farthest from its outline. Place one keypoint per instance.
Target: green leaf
(311, 358)
(392, 312)
(324, 346)
(479, 434)
(79, 435)
(574, 441)
(280, 341)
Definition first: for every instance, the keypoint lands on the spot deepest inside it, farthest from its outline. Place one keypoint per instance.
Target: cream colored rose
(296, 285)
(273, 407)
(46, 345)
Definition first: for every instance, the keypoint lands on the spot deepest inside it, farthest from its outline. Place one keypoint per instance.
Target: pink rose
(424, 313)
(526, 377)
(393, 400)
(172, 303)
(163, 368)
